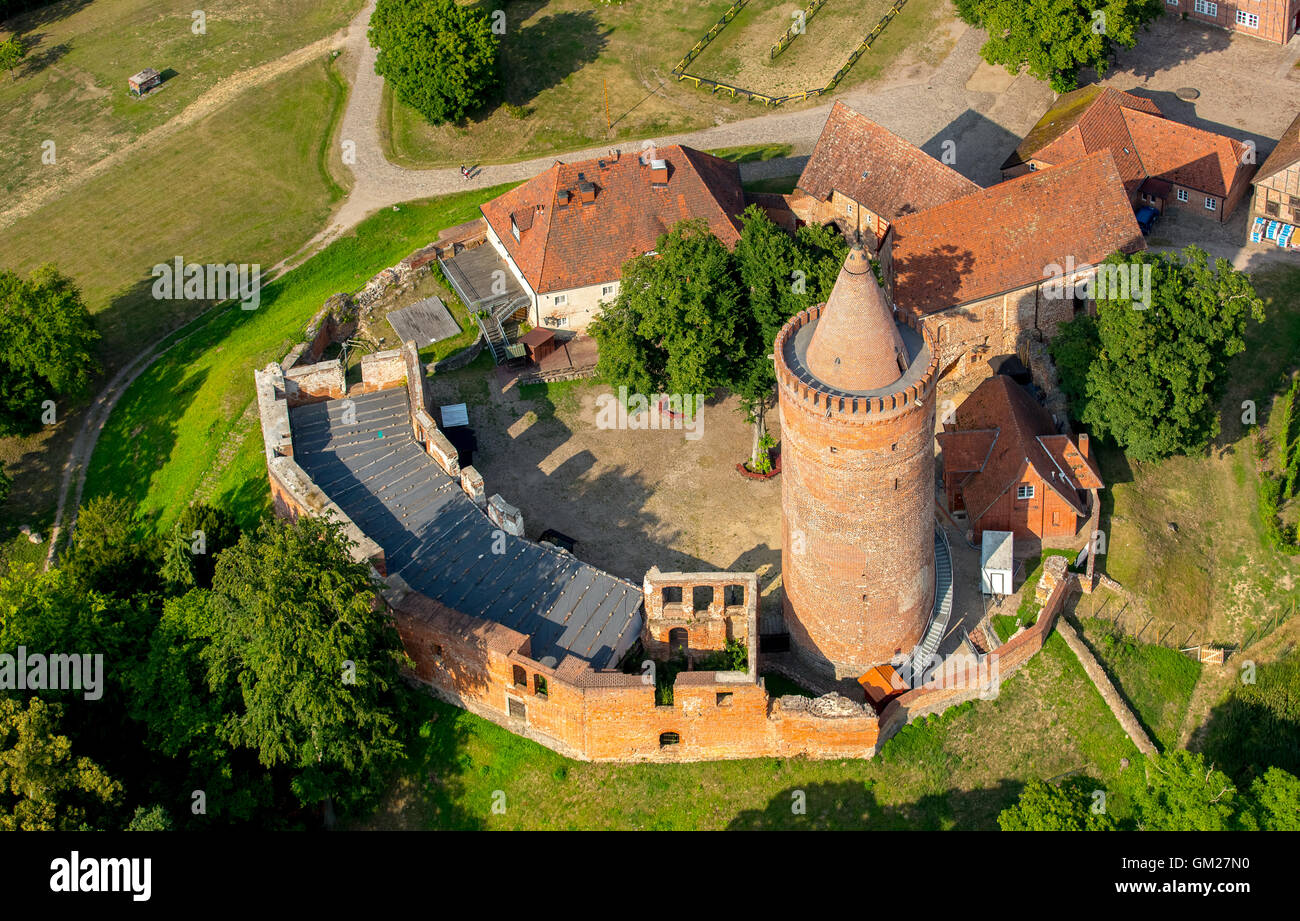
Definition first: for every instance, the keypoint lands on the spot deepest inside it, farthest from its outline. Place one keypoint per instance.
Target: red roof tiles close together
(1000, 431)
(877, 169)
(571, 235)
(1144, 142)
(1002, 238)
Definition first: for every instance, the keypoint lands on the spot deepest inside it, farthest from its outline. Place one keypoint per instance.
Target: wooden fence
(794, 31)
(717, 86)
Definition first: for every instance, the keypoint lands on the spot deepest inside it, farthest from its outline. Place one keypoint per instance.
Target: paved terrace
(437, 540)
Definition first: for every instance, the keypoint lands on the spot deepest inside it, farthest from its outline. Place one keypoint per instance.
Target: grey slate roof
(441, 544)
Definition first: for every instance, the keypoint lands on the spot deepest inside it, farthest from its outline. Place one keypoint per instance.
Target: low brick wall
(315, 383)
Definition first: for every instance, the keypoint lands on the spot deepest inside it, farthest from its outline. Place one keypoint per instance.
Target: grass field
(1210, 576)
(72, 88)
(957, 770)
(564, 59)
(187, 428)
(248, 184)
(1156, 682)
(740, 54)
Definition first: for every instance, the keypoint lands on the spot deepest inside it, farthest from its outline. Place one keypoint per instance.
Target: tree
(1274, 802)
(190, 551)
(1156, 378)
(6, 484)
(780, 276)
(1047, 807)
(45, 341)
(111, 551)
(439, 57)
(678, 324)
(301, 647)
(12, 53)
(43, 786)
(1055, 39)
(154, 818)
(1183, 793)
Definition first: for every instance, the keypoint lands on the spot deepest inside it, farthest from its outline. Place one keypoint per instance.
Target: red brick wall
(1276, 17)
(1029, 517)
(857, 496)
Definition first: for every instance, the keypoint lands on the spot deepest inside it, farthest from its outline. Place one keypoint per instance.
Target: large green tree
(45, 346)
(1047, 807)
(679, 323)
(112, 550)
(439, 56)
(780, 275)
(1055, 39)
(1152, 378)
(1184, 793)
(43, 785)
(296, 641)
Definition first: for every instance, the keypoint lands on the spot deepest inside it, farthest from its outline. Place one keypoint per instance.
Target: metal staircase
(914, 670)
(492, 322)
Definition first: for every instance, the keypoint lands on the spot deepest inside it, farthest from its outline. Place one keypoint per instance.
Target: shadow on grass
(854, 805)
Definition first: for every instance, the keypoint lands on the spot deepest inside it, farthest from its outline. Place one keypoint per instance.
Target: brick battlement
(855, 410)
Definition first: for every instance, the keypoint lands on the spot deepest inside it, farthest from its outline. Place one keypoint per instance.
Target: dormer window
(514, 229)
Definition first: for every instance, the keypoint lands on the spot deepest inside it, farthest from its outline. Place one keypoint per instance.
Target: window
(1295, 203)
(520, 677)
(539, 685)
(677, 641)
(517, 709)
(607, 290)
(1171, 2)
(1182, 195)
(669, 738)
(672, 594)
(701, 597)
(1025, 491)
(1249, 20)
(1211, 204)
(560, 300)
(436, 649)
(724, 698)
(733, 595)
(848, 208)
(514, 228)
(1205, 8)
(1271, 208)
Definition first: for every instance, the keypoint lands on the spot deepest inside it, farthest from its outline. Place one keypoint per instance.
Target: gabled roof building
(1007, 468)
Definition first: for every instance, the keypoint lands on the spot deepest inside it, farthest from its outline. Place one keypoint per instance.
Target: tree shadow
(851, 805)
(37, 14)
(41, 55)
(542, 55)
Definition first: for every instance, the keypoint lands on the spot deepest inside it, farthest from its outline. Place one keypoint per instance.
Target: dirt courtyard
(631, 498)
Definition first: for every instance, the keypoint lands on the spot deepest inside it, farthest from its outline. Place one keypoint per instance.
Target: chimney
(586, 192)
(659, 173)
(1083, 444)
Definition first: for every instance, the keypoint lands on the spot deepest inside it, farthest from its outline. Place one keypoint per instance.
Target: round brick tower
(856, 394)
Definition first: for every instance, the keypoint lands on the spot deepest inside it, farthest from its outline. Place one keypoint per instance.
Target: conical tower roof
(856, 345)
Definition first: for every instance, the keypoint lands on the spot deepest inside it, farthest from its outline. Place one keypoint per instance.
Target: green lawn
(187, 428)
(1211, 576)
(582, 74)
(1156, 681)
(72, 89)
(1027, 613)
(957, 770)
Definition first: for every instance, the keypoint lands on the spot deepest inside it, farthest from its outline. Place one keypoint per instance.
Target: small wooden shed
(144, 81)
(540, 342)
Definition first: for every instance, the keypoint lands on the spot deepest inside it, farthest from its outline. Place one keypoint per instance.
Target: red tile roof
(565, 242)
(1001, 238)
(1025, 437)
(1144, 143)
(899, 178)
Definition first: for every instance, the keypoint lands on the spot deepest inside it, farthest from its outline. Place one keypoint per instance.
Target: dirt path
(224, 92)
